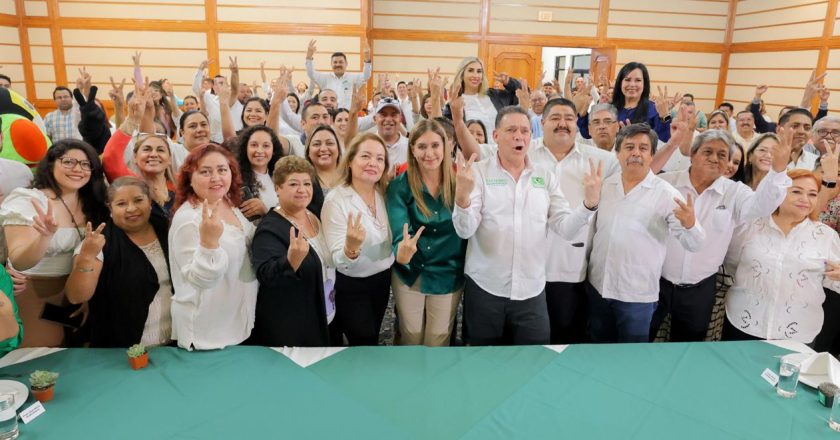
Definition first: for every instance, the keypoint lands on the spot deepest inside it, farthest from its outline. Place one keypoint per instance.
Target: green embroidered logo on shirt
(497, 182)
(538, 182)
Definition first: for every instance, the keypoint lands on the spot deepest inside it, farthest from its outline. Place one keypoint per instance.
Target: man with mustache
(687, 288)
(566, 260)
(638, 212)
(339, 80)
(210, 107)
(63, 123)
(798, 121)
(505, 206)
(744, 128)
(603, 127)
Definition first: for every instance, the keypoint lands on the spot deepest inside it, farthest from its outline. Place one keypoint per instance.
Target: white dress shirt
(566, 260)
(236, 114)
(722, 206)
(481, 107)
(778, 288)
(215, 289)
(506, 224)
(806, 161)
(398, 151)
(631, 231)
(211, 104)
(376, 254)
(343, 87)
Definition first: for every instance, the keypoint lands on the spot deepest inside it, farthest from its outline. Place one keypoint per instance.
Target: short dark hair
(338, 54)
(742, 112)
(401, 82)
(6, 77)
(305, 112)
(559, 101)
(60, 88)
(689, 95)
(509, 110)
(796, 111)
(184, 116)
(727, 104)
(633, 130)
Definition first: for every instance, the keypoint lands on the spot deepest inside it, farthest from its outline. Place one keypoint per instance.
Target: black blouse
(290, 304)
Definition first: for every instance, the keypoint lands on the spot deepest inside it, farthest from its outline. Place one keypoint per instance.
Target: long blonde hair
(415, 178)
(350, 154)
(170, 172)
(459, 75)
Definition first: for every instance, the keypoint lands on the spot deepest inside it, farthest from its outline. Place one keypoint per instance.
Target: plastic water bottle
(8, 417)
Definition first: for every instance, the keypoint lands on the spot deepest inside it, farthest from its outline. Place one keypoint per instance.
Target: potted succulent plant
(138, 357)
(43, 384)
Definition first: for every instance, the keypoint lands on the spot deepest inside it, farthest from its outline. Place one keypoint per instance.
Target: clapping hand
(298, 248)
(685, 211)
(408, 246)
(211, 227)
(43, 222)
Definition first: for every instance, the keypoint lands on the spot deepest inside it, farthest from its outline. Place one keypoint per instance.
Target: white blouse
(376, 254)
(481, 107)
(158, 328)
(267, 193)
(319, 245)
(58, 260)
(778, 287)
(215, 289)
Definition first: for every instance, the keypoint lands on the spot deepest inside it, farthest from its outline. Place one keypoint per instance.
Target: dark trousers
(493, 320)
(611, 320)
(732, 333)
(360, 306)
(690, 308)
(566, 312)
(829, 337)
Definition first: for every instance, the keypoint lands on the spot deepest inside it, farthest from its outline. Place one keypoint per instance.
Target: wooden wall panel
(574, 19)
(137, 10)
(35, 8)
(10, 57)
(405, 60)
(784, 72)
(768, 20)
(446, 15)
(681, 20)
(8, 7)
(832, 80)
(335, 12)
(685, 72)
(40, 51)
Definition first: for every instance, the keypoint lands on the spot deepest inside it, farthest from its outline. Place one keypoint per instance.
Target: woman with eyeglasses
(356, 226)
(121, 268)
(43, 225)
(152, 159)
(214, 283)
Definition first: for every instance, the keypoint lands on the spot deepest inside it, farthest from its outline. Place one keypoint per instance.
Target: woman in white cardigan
(214, 283)
(783, 262)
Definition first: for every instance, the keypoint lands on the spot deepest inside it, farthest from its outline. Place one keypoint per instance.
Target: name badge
(538, 182)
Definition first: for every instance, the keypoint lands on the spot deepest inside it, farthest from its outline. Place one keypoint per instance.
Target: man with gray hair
(825, 129)
(687, 287)
(603, 126)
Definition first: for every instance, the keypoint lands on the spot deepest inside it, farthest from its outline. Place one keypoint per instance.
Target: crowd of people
(596, 211)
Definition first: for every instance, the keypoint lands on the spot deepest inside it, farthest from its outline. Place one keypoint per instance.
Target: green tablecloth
(637, 391)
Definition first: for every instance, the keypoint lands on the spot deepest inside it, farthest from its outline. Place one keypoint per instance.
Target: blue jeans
(611, 320)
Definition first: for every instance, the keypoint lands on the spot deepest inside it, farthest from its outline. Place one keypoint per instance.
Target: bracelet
(829, 184)
(83, 270)
(594, 208)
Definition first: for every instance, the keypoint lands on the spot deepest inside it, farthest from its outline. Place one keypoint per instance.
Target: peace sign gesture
(408, 246)
(211, 227)
(116, 92)
(42, 222)
(663, 104)
(94, 241)
(592, 185)
(464, 180)
(828, 161)
(685, 211)
(355, 235)
(298, 248)
(782, 150)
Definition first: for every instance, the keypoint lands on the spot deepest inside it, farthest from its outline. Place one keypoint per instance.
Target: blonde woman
(429, 272)
(480, 101)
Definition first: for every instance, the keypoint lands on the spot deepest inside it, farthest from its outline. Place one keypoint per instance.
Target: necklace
(72, 218)
(291, 220)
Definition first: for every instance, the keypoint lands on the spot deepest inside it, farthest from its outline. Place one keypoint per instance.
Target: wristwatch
(666, 119)
(828, 184)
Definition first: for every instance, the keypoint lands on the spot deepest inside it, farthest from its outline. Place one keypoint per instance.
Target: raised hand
(366, 52)
(204, 64)
(298, 248)
(86, 81)
(167, 87)
(136, 107)
(663, 103)
(44, 222)
(223, 91)
(760, 90)
(136, 58)
(211, 227)
(359, 99)
(94, 241)
(234, 64)
(355, 234)
(280, 88)
(455, 91)
(582, 101)
(310, 50)
(464, 180)
(408, 246)
(828, 161)
(685, 211)
(592, 185)
(435, 82)
(501, 77)
(456, 106)
(824, 93)
(523, 94)
(624, 123)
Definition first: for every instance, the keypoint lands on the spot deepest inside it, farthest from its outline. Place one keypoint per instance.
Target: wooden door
(515, 60)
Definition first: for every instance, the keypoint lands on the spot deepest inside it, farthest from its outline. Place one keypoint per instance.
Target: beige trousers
(424, 318)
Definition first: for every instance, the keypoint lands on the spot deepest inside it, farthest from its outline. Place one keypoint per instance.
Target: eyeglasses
(826, 133)
(597, 122)
(70, 163)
